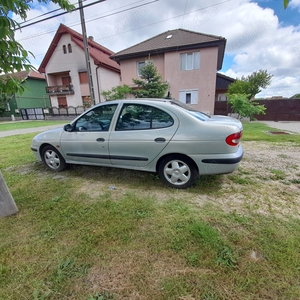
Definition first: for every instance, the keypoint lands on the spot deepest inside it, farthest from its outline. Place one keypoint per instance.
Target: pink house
(187, 60)
(66, 73)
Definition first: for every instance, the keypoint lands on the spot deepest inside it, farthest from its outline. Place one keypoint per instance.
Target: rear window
(199, 115)
(190, 110)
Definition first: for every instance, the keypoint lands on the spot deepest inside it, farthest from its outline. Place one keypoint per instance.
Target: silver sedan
(154, 135)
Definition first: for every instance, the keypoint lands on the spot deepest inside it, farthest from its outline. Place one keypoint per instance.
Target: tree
(285, 3)
(245, 108)
(14, 58)
(251, 84)
(117, 92)
(151, 84)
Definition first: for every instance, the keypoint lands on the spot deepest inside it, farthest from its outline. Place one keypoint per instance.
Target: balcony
(66, 89)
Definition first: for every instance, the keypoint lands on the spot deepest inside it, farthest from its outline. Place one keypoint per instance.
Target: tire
(178, 171)
(53, 159)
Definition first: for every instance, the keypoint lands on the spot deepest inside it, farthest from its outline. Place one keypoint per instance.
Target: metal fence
(67, 111)
(32, 113)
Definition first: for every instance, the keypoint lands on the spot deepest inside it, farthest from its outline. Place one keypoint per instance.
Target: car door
(141, 133)
(87, 142)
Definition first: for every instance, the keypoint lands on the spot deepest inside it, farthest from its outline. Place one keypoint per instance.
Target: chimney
(91, 38)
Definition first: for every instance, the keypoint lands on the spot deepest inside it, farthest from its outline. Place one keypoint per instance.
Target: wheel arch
(41, 148)
(177, 154)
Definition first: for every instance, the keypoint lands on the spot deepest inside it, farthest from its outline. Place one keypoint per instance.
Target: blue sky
(260, 34)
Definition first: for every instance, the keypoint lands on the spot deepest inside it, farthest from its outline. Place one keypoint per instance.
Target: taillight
(234, 139)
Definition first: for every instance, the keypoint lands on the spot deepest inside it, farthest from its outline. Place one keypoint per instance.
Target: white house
(66, 73)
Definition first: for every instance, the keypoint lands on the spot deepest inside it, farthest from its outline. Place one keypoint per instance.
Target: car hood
(50, 135)
(224, 120)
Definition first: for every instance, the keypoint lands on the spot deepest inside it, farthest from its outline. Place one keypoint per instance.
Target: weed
(278, 174)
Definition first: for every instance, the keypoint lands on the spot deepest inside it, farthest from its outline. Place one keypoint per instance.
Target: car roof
(151, 101)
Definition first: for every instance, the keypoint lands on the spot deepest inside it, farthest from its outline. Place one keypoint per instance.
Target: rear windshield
(195, 113)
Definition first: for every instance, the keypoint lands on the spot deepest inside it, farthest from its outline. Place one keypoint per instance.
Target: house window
(69, 48)
(83, 77)
(62, 102)
(142, 64)
(188, 96)
(64, 49)
(190, 61)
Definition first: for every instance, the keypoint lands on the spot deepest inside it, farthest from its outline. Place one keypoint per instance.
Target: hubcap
(52, 159)
(177, 172)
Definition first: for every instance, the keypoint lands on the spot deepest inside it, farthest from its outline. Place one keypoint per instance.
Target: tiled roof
(172, 40)
(23, 75)
(100, 54)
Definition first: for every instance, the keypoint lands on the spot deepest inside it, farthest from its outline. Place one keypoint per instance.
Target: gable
(100, 54)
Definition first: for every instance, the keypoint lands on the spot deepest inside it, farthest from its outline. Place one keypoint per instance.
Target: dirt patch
(266, 182)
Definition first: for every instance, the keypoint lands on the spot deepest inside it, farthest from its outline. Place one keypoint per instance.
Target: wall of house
(106, 80)
(34, 96)
(72, 63)
(129, 68)
(202, 79)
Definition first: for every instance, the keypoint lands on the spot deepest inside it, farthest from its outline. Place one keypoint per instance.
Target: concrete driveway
(292, 126)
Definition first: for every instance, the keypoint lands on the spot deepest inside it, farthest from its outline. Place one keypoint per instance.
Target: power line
(90, 20)
(45, 14)
(60, 14)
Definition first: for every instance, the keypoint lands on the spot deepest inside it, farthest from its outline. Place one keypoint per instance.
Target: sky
(260, 34)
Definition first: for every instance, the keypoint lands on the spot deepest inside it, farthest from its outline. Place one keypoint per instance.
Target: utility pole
(87, 54)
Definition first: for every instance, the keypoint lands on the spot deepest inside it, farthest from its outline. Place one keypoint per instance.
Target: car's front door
(141, 133)
(87, 143)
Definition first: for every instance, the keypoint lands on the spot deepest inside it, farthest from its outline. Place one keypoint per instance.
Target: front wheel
(178, 171)
(53, 159)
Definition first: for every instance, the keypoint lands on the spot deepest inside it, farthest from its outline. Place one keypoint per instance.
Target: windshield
(197, 114)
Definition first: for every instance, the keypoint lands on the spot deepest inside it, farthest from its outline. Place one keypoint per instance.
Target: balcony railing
(66, 89)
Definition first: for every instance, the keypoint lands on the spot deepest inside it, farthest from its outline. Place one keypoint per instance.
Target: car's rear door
(141, 133)
(87, 143)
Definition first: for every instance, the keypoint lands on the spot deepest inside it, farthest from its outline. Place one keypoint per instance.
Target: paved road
(292, 126)
(29, 130)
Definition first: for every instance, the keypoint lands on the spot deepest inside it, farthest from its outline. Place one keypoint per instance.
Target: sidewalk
(292, 126)
(29, 130)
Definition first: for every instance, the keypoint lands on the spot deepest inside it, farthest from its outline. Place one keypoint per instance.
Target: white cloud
(295, 4)
(255, 37)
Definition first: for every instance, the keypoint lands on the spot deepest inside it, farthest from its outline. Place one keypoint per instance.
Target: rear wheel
(178, 171)
(53, 159)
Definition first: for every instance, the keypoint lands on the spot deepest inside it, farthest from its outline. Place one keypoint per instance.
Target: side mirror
(68, 128)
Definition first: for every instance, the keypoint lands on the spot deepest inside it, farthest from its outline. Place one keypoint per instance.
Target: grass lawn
(96, 233)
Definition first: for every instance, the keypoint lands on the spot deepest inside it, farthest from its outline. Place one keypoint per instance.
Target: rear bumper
(219, 163)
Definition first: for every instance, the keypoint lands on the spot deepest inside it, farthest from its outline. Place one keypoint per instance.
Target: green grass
(254, 131)
(75, 238)
(5, 126)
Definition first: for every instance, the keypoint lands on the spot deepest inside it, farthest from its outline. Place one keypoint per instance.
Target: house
(66, 72)
(222, 84)
(34, 94)
(187, 60)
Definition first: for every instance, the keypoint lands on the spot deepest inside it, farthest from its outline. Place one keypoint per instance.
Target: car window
(97, 119)
(142, 117)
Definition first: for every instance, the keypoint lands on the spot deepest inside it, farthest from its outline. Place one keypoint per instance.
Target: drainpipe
(98, 84)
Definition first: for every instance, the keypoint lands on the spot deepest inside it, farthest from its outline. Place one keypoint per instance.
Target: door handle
(160, 140)
(100, 140)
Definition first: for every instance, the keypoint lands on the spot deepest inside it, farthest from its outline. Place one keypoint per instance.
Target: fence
(32, 113)
(67, 111)
(276, 109)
